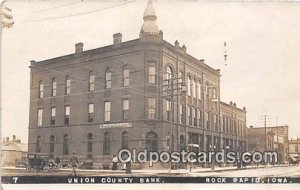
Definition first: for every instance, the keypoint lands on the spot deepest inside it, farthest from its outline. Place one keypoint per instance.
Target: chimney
(78, 47)
(176, 43)
(202, 61)
(184, 48)
(117, 38)
(14, 138)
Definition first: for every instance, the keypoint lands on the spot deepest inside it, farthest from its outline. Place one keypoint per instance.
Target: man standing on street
(74, 163)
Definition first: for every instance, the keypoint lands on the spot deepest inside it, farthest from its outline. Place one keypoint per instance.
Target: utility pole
(175, 87)
(265, 121)
(6, 21)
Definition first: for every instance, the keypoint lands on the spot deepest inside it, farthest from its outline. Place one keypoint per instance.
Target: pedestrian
(74, 163)
(115, 162)
(128, 165)
(57, 160)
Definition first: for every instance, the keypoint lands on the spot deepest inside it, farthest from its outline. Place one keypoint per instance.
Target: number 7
(15, 179)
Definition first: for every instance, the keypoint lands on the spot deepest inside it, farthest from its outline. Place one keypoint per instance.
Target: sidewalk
(159, 171)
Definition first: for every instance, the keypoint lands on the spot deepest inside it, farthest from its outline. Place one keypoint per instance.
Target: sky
(262, 70)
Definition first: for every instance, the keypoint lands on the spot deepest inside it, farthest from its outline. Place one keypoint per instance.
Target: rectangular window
(91, 113)
(53, 114)
(67, 115)
(195, 116)
(40, 117)
(180, 114)
(108, 80)
(200, 117)
(125, 109)
(68, 86)
(207, 119)
(168, 109)
(199, 91)
(152, 75)
(53, 88)
(151, 108)
(107, 110)
(224, 124)
(41, 90)
(126, 77)
(92, 82)
(215, 122)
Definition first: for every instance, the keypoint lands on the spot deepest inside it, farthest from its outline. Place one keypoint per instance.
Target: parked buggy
(40, 162)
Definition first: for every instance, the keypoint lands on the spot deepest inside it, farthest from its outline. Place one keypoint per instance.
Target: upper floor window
(40, 117)
(53, 87)
(189, 86)
(181, 118)
(53, 114)
(91, 112)
(216, 122)
(108, 78)
(194, 91)
(200, 117)
(188, 115)
(91, 81)
(169, 107)
(180, 81)
(125, 109)
(199, 90)
(151, 108)
(151, 75)
(67, 115)
(68, 85)
(207, 119)
(195, 116)
(41, 89)
(107, 110)
(125, 76)
(169, 77)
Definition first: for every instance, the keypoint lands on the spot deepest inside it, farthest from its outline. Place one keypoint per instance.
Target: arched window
(90, 146)
(189, 86)
(106, 144)
(124, 143)
(125, 76)
(107, 78)
(91, 81)
(194, 88)
(68, 85)
(151, 141)
(41, 89)
(199, 90)
(38, 144)
(66, 144)
(53, 87)
(51, 146)
(169, 78)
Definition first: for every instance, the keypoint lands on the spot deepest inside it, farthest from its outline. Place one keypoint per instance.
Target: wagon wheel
(29, 168)
(45, 169)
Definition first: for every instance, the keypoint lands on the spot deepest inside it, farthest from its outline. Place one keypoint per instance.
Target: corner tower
(150, 28)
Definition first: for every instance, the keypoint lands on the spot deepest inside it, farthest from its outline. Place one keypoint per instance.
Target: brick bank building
(97, 101)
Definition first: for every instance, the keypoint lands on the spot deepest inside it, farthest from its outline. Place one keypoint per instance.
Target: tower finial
(149, 26)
